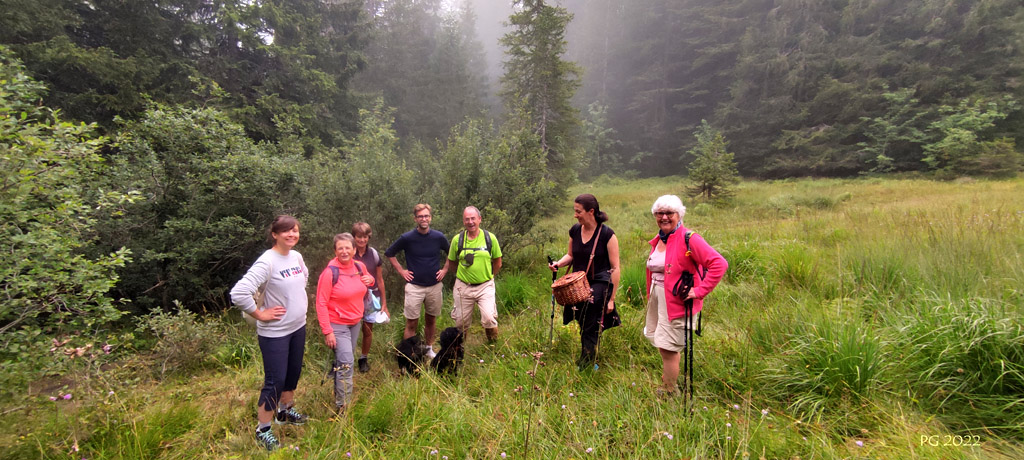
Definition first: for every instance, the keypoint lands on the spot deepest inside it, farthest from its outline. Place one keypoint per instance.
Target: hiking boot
(266, 439)
(364, 365)
(289, 416)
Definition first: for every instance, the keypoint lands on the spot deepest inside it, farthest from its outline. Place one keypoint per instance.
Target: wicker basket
(571, 289)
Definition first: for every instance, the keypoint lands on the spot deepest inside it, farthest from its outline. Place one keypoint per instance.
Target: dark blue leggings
(282, 365)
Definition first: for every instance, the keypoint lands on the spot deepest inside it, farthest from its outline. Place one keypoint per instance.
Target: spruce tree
(713, 169)
(540, 82)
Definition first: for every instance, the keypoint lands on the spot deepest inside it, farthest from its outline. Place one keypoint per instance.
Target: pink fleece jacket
(676, 261)
(341, 303)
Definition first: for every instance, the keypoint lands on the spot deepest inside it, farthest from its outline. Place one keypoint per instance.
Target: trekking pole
(689, 351)
(600, 322)
(551, 330)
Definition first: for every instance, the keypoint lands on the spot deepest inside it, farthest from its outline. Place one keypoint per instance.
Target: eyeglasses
(664, 213)
(423, 216)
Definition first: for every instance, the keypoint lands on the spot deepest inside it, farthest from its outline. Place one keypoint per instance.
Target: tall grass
(964, 359)
(857, 316)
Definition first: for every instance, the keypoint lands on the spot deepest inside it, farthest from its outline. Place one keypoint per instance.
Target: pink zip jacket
(341, 303)
(676, 261)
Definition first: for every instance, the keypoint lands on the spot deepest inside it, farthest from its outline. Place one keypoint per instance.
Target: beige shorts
(482, 295)
(417, 297)
(665, 334)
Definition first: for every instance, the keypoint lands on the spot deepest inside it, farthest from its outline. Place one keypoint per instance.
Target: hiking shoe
(266, 439)
(364, 365)
(289, 416)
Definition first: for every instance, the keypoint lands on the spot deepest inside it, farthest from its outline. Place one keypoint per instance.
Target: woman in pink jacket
(676, 251)
(339, 310)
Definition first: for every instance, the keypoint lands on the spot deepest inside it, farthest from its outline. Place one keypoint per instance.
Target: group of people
(273, 291)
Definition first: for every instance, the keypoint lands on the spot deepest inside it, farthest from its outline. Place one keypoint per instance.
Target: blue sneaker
(289, 416)
(266, 439)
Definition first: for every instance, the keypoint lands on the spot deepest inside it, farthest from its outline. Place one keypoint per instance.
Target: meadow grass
(866, 318)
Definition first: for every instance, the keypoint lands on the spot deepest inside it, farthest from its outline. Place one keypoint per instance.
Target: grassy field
(868, 318)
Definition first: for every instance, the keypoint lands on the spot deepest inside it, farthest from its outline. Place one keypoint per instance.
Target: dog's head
(449, 358)
(451, 337)
(410, 354)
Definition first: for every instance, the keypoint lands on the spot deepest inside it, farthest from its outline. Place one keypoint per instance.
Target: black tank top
(581, 252)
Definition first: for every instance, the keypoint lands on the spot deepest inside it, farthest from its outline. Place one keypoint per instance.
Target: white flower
(736, 406)
(728, 425)
(590, 449)
(563, 406)
(502, 455)
(764, 412)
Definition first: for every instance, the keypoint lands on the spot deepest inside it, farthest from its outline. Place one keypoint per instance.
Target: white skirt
(665, 334)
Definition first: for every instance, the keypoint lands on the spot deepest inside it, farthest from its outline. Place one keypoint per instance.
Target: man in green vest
(477, 255)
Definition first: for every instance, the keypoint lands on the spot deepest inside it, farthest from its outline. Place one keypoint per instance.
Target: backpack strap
(462, 242)
(689, 254)
(336, 272)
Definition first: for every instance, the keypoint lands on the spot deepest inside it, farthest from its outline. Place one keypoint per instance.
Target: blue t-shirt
(423, 254)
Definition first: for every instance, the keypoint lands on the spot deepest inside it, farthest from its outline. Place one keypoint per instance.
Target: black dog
(410, 355)
(449, 358)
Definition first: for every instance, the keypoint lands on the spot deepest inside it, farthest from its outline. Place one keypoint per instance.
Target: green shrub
(183, 341)
(781, 205)
(55, 285)
(210, 193)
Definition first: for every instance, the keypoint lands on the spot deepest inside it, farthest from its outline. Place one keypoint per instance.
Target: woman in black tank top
(603, 272)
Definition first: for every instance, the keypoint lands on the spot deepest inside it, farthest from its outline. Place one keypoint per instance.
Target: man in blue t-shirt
(424, 249)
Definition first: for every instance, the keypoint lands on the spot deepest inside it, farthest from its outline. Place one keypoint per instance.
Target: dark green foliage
(799, 88)
(184, 342)
(278, 62)
(427, 64)
(51, 196)
(894, 136)
(209, 194)
(959, 147)
(600, 144)
(712, 169)
(501, 173)
(540, 83)
(364, 181)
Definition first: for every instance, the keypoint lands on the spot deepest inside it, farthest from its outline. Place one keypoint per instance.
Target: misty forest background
(147, 145)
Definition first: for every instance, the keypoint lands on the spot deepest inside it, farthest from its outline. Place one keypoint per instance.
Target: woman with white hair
(677, 256)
